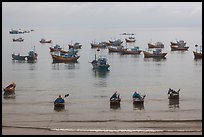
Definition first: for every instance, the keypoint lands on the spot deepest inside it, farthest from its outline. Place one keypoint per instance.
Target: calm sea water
(38, 84)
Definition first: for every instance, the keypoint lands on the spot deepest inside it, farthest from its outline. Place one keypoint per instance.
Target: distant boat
(12, 31)
(58, 48)
(100, 63)
(18, 39)
(115, 43)
(197, 55)
(156, 45)
(99, 45)
(75, 45)
(138, 99)
(32, 56)
(61, 57)
(116, 49)
(156, 54)
(172, 94)
(134, 50)
(130, 39)
(18, 57)
(9, 91)
(115, 99)
(45, 41)
(180, 45)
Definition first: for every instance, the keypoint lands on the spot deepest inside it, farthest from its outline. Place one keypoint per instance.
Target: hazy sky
(100, 14)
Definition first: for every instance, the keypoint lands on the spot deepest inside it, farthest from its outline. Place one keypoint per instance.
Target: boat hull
(175, 47)
(130, 52)
(48, 41)
(154, 46)
(18, 57)
(63, 59)
(197, 55)
(151, 55)
(130, 40)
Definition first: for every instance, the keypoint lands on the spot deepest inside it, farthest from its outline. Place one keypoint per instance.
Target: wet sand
(111, 128)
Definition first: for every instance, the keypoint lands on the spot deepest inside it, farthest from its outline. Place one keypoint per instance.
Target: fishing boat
(156, 45)
(115, 99)
(18, 57)
(99, 45)
(12, 31)
(172, 94)
(197, 55)
(64, 57)
(32, 56)
(9, 91)
(76, 45)
(18, 39)
(138, 99)
(45, 41)
(116, 42)
(59, 102)
(116, 49)
(57, 48)
(134, 50)
(100, 63)
(156, 54)
(180, 45)
(130, 39)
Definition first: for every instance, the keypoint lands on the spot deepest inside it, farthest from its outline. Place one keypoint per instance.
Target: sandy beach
(106, 128)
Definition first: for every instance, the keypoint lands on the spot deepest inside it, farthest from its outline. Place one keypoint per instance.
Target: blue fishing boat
(100, 63)
(138, 99)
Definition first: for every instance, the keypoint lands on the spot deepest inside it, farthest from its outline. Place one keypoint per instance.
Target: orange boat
(65, 58)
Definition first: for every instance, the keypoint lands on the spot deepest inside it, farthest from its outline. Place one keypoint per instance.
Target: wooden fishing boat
(64, 57)
(176, 47)
(138, 99)
(180, 45)
(115, 99)
(116, 42)
(9, 91)
(18, 40)
(116, 49)
(100, 63)
(99, 45)
(197, 55)
(45, 41)
(155, 54)
(75, 46)
(18, 57)
(130, 39)
(32, 56)
(134, 50)
(156, 45)
(172, 94)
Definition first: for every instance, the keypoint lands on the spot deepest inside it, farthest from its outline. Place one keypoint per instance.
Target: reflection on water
(155, 59)
(67, 65)
(58, 109)
(173, 103)
(101, 74)
(138, 106)
(115, 106)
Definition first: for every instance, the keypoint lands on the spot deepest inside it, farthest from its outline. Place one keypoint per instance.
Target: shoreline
(110, 128)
